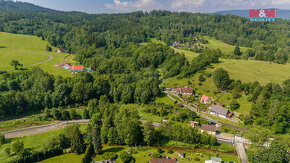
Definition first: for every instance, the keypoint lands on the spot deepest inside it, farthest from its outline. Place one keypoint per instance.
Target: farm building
(75, 69)
(185, 90)
(179, 104)
(205, 99)
(60, 50)
(181, 154)
(65, 66)
(220, 111)
(210, 129)
(194, 124)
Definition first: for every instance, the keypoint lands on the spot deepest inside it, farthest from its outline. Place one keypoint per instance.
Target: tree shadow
(114, 149)
(2, 47)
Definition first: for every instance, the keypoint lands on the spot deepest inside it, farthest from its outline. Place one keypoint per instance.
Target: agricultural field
(250, 71)
(188, 54)
(29, 50)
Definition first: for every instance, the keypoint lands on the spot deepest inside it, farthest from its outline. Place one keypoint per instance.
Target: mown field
(250, 71)
(29, 50)
(224, 47)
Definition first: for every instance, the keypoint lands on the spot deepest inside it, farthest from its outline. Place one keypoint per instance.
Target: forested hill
(24, 7)
(283, 14)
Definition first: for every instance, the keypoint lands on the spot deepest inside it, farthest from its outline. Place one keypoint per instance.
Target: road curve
(50, 58)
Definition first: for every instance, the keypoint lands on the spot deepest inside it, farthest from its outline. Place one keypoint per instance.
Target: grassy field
(224, 47)
(70, 157)
(29, 50)
(188, 54)
(250, 71)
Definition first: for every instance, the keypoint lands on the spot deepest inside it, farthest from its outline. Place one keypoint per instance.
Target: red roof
(62, 64)
(185, 89)
(162, 160)
(181, 153)
(230, 114)
(204, 98)
(208, 127)
(77, 67)
(180, 104)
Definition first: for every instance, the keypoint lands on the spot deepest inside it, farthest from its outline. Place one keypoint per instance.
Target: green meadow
(224, 47)
(29, 50)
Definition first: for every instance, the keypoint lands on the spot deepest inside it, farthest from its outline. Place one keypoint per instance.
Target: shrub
(169, 151)
(8, 150)
(196, 159)
(17, 146)
(160, 150)
(2, 139)
(110, 155)
(126, 157)
(156, 155)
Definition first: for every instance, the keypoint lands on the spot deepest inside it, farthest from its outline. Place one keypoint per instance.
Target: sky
(121, 6)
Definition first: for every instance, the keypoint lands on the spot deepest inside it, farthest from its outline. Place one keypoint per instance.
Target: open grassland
(188, 54)
(70, 157)
(250, 71)
(26, 49)
(29, 50)
(224, 47)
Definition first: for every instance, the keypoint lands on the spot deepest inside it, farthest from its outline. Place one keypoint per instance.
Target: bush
(169, 151)
(156, 155)
(8, 150)
(110, 155)
(2, 139)
(126, 157)
(160, 150)
(196, 159)
(17, 146)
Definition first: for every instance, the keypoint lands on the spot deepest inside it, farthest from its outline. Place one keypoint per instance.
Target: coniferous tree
(96, 136)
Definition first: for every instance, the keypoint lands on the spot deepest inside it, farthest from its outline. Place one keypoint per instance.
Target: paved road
(241, 152)
(50, 58)
(40, 129)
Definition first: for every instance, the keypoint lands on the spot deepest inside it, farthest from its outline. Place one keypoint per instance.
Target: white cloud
(145, 5)
(181, 4)
(281, 2)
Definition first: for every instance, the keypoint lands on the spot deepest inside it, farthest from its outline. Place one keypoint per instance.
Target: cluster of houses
(216, 110)
(179, 44)
(75, 69)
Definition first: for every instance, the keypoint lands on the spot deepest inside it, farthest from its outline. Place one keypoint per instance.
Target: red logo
(263, 13)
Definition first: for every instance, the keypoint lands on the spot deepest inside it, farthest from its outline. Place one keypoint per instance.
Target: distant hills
(283, 14)
(24, 7)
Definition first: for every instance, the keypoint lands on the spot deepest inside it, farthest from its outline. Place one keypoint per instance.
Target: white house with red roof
(185, 90)
(205, 99)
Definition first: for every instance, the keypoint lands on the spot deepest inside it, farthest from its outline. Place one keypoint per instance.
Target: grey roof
(216, 159)
(219, 110)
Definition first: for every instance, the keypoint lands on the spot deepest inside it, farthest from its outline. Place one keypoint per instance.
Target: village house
(181, 154)
(214, 160)
(60, 50)
(210, 129)
(194, 124)
(175, 44)
(205, 99)
(75, 69)
(162, 160)
(65, 66)
(179, 104)
(185, 90)
(220, 111)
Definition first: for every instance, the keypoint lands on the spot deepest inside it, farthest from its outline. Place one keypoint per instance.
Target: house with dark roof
(220, 111)
(185, 90)
(205, 99)
(162, 160)
(60, 50)
(210, 129)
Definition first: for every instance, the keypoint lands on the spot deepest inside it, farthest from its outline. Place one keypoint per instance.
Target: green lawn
(70, 157)
(250, 71)
(224, 47)
(29, 50)
(23, 48)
